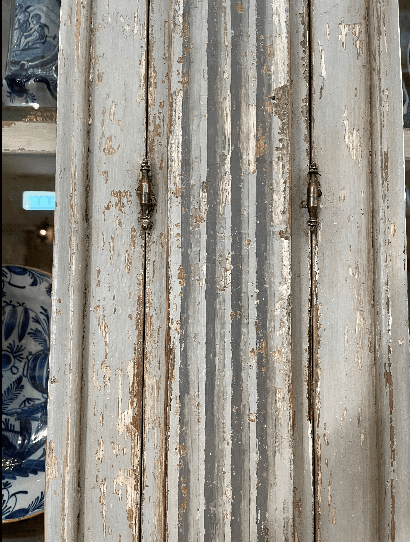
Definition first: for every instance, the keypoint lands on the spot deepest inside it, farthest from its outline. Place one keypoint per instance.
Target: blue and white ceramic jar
(31, 69)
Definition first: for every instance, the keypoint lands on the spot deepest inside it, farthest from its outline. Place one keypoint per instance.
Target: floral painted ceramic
(31, 69)
(25, 350)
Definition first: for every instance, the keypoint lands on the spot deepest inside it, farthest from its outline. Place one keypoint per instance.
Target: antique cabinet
(231, 372)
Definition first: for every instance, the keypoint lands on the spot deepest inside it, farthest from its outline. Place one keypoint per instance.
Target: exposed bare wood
(156, 358)
(63, 467)
(29, 114)
(361, 280)
(223, 421)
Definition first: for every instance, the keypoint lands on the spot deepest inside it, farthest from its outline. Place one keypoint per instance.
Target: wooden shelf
(28, 130)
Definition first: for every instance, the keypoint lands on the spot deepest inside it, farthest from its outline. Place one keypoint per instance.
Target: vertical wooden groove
(144, 283)
(312, 379)
(301, 287)
(147, 76)
(312, 332)
(144, 301)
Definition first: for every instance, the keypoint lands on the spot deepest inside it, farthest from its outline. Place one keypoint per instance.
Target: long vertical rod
(312, 300)
(313, 381)
(144, 281)
(310, 91)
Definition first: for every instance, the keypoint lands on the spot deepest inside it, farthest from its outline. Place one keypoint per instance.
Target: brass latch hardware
(313, 195)
(146, 195)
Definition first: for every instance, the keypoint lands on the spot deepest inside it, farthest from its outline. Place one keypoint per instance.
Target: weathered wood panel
(392, 356)
(62, 505)
(345, 413)
(357, 262)
(212, 411)
(94, 439)
(229, 472)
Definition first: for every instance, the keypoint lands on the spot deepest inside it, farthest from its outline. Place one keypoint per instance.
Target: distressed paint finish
(391, 310)
(345, 414)
(360, 360)
(94, 439)
(69, 272)
(221, 459)
(229, 473)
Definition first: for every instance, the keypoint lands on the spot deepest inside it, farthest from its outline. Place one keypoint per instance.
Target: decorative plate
(31, 68)
(26, 345)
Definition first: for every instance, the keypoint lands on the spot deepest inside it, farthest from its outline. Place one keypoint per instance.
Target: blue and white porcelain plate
(26, 344)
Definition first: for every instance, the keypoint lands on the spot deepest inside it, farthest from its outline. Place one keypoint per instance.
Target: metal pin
(313, 195)
(147, 198)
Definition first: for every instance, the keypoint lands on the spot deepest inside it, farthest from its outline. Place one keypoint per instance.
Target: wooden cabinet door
(229, 374)
(353, 362)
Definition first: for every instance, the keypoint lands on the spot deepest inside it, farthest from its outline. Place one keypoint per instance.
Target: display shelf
(29, 131)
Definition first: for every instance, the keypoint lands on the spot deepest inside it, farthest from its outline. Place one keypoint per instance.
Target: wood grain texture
(345, 413)
(94, 439)
(360, 260)
(392, 352)
(69, 278)
(230, 426)
(213, 431)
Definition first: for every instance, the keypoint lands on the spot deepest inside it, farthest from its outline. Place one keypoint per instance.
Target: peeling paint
(108, 148)
(99, 456)
(352, 139)
(322, 68)
(52, 464)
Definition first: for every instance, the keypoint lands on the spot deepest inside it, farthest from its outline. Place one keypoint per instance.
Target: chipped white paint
(353, 160)
(352, 139)
(95, 407)
(322, 62)
(212, 199)
(391, 310)
(224, 449)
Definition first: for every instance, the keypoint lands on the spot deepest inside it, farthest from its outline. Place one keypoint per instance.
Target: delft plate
(26, 345)
(31, 67)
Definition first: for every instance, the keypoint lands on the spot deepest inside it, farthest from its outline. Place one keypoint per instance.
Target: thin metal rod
(312, 300)
(147, 52)
(144, 285)
(141, 466)
(313, 380)
(310, 48)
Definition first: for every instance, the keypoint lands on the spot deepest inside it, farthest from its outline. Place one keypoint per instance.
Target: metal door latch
(147, 199)
(313, 195)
